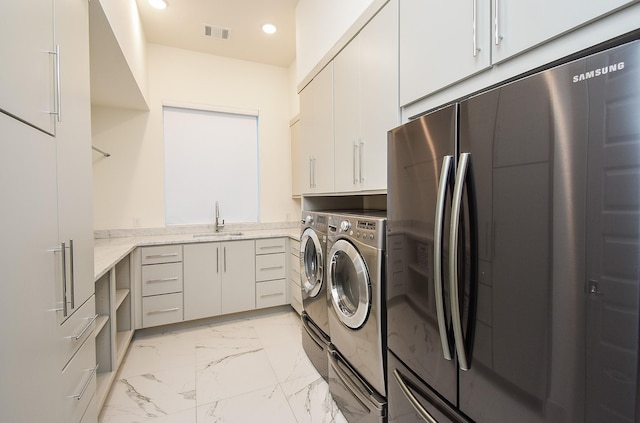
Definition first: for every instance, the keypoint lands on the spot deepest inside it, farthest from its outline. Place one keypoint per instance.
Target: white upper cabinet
(366, 103)
(28, 77)
(519, 25)
(441, 43)
(316, 134)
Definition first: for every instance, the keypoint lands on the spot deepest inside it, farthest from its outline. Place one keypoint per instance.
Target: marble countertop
(111, 246)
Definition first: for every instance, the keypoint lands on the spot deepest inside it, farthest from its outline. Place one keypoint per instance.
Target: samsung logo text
(598, 72)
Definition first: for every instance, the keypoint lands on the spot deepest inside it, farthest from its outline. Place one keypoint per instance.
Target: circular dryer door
(349, 283)
(311, 262)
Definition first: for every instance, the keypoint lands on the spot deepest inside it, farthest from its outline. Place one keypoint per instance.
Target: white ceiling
(181, 25)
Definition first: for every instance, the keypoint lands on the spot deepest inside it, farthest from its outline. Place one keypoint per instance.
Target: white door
(27, 77)
(520, 25)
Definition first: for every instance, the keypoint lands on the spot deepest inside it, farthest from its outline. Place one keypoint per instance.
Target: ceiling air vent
(216, 32)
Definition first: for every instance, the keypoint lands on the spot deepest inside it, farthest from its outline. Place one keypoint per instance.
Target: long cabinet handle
(154, 256)
(269, 247)
(86, 385)
(475, 33)
(360, 166)
(224, 254)
(355, 154)
(78, 336)
(175, 278)
(166, 310)
(496, 23)
(217, 260)
(437, 254)
(65, 309)
(463, 165)
(275, 294)
(72, 276)
(271, 267)
(56, 92)
(412, 398)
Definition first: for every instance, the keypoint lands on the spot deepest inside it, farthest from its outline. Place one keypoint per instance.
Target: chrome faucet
(218, 224)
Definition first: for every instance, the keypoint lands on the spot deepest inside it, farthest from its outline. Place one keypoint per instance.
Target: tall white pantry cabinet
(47, 371)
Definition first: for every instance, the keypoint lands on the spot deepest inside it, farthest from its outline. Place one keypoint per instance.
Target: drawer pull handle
(275, 294)
(162, 280)
(271, 267)
(267, 247)
(153, 256)
(166, 310)
(78, 336)
(86, 385)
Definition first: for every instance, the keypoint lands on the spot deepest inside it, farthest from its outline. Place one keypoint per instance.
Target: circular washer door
(349, 284)
(311, 262)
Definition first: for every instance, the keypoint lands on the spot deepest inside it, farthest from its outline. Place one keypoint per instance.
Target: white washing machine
(315, 320)
(355, 276)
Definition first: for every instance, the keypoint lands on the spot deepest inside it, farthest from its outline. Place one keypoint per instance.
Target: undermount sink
(217, 234)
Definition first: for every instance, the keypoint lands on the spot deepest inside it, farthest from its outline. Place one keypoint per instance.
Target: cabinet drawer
(161, 254)
(161, 310)
(295, 292)
(76, 329)
(294, 247)
(161, 279)
(79, 381)
(272, 293)
(270, 267)
(270, 245)
(294, 269)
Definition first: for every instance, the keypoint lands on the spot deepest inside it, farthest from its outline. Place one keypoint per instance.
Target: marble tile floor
(242, 370)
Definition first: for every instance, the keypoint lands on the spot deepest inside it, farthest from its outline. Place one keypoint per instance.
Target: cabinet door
(519, 22)
(378, 95)
(73, 135)
(437, 44)
(316, 133)
(346, 95)
(202, 280)
(296, 159)
(238, 276)
(30, 347)
(26, 80)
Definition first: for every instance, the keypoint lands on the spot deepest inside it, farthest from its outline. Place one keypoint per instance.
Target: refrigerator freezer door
(528, 172)
(417, 152)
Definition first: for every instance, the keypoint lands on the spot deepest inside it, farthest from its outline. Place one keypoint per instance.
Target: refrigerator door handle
(463, 165)
(412, 398)
(437, 255)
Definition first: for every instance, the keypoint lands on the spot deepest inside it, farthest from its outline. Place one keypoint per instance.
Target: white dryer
(355, 276)
(315, 321)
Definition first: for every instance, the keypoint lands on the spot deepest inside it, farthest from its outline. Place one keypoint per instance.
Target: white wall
(125, 22)
(129, 185)
(319, 25)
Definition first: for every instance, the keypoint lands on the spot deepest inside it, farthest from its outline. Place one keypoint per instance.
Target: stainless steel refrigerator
(513, 251)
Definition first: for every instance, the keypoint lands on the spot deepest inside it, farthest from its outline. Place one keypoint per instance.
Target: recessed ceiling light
(158, 4)
(269, 28)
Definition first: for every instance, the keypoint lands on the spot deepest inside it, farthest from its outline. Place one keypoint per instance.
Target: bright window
(210, 156)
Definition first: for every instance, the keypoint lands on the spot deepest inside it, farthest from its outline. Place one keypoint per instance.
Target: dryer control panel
(370, 231)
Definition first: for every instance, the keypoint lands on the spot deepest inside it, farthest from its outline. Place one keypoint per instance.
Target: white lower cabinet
(271, 272)
(238, 276)
(162, 285)
(79, 382)
(202, 280)
(162, 309)
(295, 291)
(219, 278)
